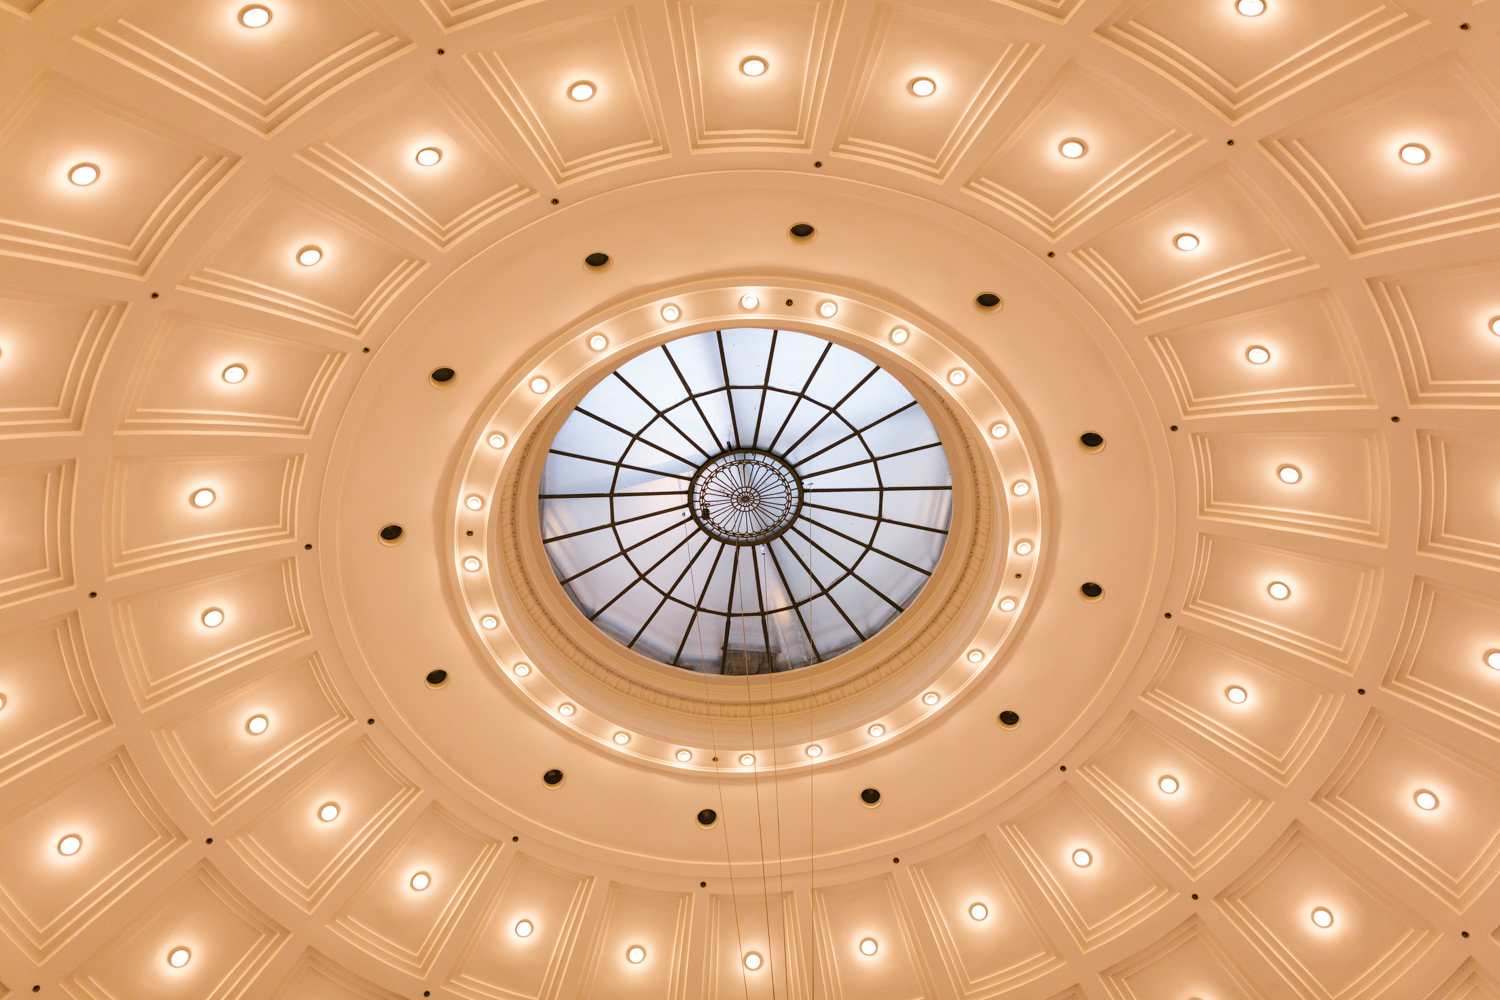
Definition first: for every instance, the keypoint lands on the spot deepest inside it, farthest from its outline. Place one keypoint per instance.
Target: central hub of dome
(745, 497)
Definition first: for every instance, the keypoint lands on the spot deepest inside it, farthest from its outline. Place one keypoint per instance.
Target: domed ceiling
(1171, 666)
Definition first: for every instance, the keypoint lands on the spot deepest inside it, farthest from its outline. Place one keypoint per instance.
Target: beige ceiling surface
(223, 151)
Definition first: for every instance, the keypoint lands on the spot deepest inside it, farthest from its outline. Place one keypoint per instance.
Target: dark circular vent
(442, 375)
(390, 532)
(1091, 590)
(802, 232)
(596, 260)
(437, 678)
(553, 777)
(870, 796)
(707, 817)
(1089, 439)
(1009, 719)
(987, 300)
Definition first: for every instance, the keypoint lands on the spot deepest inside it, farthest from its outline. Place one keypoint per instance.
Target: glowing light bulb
(328, 812)
(523, 928)
(1258, 355)
(900, 335)
(1492, 659)
(622, 738)
(488, 621)
(999, 430)
(1426, 800)
(975, 656)
(827, 309)
(235, 374)
(747, 759)
(213, 618)
(1289, 474)
(598, 342)
(958, 377)
(978, 911)
(255, 16)
(752, 961)
(539, 385)
(178, 957)
(683, 756)
(815, 751)
(1236, 694)
(1279, 591)
(565, 709)
(429, 156)
(472, 564)
(83, 174)
(1072, 148)
(930, 698)
(474, 502)
(869, 946)
(496, 440)
(1020, 489)
(521, 669)
(1185, 241)
(1251, 8)
(70, 845)
(308, 256)
(635, 954)
(749, 300)
(876, 730)
(420, 881)
(753, 66)
(1007, 604)
(1322, 916)
(1023, 548)
(922, 87)
(201, 498)
(1082, 858)
(1414, 154)
(1168, 784)
(257, 724)
(581, 91)
(671, 313)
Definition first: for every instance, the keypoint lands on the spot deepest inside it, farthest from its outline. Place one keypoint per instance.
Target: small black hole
(707, 817)
(1174, 427)
(703, 885)
(1464, 27)
(818, 163)
(554, 201)
(802, 230)
(468, 532)
(156, 295)
(870, 796)
(391, 532)
(1009, 718)
(1051, 253)
(1195, 895)
(1361, 690)
(1091, 440)
(1395, 420)
(367, 350)
(210, 840)
(370, 722)
(553, 777)
(1091, 590)
(1231, 142)
(308, 545)
(1464, 933)
(987, 299)
(93, 593)
(515, 840)
(36, 989)
(1063, 767)
(596, 259)
(440, 51)
(788, 301)
(443, 374)
(895, 861)
(436, 677)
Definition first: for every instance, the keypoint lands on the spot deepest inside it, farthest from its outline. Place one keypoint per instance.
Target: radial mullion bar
(610, 524)
(856, 432)
(873, 458)
(796, 606)
(666, 595)
(859, 513)
(662, 416)
(849, 571)
(869, 546)
(698, 607)
(637, 436)
(622, 465)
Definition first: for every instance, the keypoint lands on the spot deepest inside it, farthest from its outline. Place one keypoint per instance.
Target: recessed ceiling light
(213, 618)
(958, 377)
(488, 621)
(1426, 800)
(1185, 241)
(472, 564)
(1258, 355)
(420, 881)
(2, 701)
(255, 16)
(598, 341)
(1082, 858)
(635, 954)
(201, 498)
(975, 656)
(815, 751)
(496, 440)
(1072, 148)
(622, 738)
(539, 385)
(670, 313)
(1495, 325)
(178, 957)
(565, 709)
(1289, 474)
(1414, 153)
(1279, 590)
(753, 66)
(70, 845)
(1251, 8)
(978, 911)
(930, 698)
(749, 300)
(308, 256)
(683, 756)
(235, 374)
(876, 730)
(1168, 784)
(827, 309)
(1492, 659)
(922, 86)
(428, 156)
(523, 928)
(474, 501)
(83, 174)
(581, 91)
(999, 430)
(1236, 694)
(1322, 916)
(522, 669)
(752, 961)
(1007, 604)
(328, 812)
(1023, 548)
(869, 946)
(1021, 488)
(257, 724)
(747, 759)
(900, 335)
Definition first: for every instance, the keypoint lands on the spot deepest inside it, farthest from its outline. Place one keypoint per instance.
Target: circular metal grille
(745, 497)
(745, 501)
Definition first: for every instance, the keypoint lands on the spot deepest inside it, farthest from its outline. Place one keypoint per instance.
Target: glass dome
(745, 501)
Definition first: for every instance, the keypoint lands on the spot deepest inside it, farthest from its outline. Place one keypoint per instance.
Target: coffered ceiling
(1207, 709)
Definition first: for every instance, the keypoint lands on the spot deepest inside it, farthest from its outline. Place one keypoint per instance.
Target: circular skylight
(745, 501)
